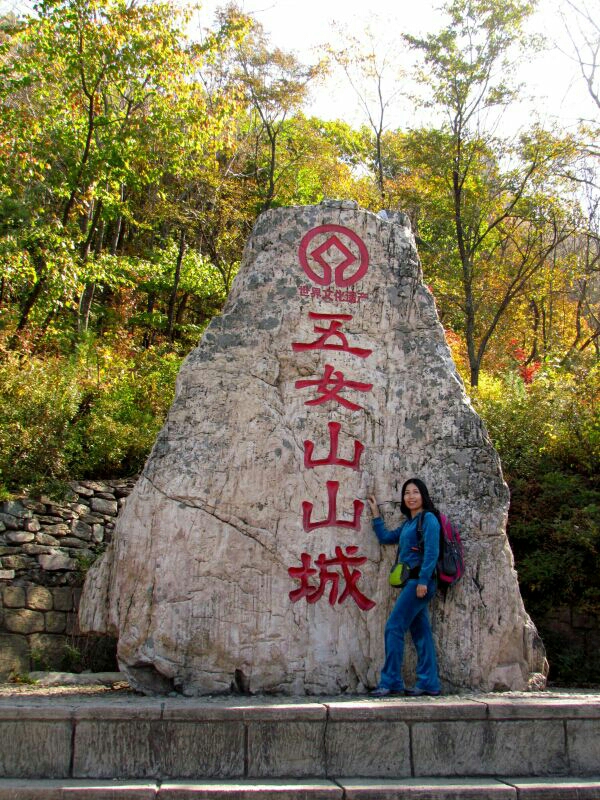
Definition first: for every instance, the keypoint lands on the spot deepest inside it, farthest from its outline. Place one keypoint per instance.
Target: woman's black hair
(427, 502)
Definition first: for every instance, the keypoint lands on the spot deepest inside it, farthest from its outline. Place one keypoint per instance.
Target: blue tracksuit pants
(410, 613)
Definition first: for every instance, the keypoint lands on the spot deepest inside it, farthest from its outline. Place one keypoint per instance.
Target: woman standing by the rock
(410, 612)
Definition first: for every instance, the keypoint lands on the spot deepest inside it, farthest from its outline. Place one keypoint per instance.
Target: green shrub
(116, 433)
(554, 421)
(38, 400)
(95, 413)
(90, 653)
(547, 435)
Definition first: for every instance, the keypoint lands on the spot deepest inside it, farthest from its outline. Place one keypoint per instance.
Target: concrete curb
(247, 738)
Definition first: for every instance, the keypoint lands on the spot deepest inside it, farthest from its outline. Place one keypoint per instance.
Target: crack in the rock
(240, 525)
(264, 380)
(475, 579)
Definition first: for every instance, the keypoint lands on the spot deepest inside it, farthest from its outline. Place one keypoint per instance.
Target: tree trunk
(474, 360)
(467, 281)
(147, 340)
(99, 242)
(272, 164)
(118, 225)
(545, 337)
(87, 295)
(181, 307)
(85, 307)
(84, 159)
(173, 297)
(29, 303)
(116, 236)
(474, 375)
(380, 168)
(536, 330)
(44, 326)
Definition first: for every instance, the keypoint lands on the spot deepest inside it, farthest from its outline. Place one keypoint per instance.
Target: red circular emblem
(339, 252)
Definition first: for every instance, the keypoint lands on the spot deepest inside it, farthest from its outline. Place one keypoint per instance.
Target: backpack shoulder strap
(398, 550)
(420, 519)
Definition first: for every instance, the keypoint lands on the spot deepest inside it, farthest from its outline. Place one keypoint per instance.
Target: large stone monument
(245, 556)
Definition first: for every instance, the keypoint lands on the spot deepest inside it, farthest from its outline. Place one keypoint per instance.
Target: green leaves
(547, 436)
(468, 61)
(108, 128)
(498, 199)
(97, 412)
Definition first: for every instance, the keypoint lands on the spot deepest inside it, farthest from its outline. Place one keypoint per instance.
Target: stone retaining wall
(45, 549)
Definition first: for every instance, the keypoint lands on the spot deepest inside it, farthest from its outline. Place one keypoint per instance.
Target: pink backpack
(451, 560)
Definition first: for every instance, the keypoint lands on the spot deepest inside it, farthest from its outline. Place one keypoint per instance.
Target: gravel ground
(113, 684)
(45, 684)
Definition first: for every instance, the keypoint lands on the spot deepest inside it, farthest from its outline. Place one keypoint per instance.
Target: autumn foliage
(136, 152)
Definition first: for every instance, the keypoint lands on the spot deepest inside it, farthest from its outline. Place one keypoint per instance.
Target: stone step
(248, 738)
(341, 789)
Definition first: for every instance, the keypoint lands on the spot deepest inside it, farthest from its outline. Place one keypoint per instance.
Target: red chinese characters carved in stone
(332, 459)
(332, 332)
(331, 518)
(330, 386)
(347, 562)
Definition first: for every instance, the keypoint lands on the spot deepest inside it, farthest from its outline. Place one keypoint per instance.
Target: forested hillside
(135, 156)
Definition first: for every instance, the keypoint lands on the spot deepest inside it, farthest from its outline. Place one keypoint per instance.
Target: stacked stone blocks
(45, 549)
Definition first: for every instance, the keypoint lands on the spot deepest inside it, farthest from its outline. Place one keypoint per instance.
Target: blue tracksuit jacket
(406, 535)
